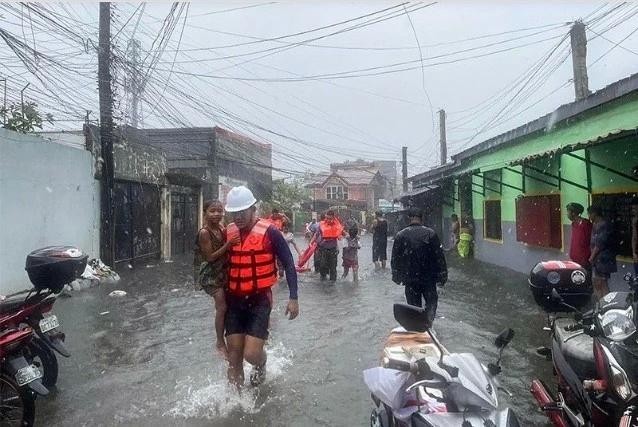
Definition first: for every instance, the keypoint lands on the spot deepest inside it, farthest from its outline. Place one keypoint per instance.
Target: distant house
(354, 188)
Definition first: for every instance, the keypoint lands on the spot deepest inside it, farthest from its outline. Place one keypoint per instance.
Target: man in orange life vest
(252, 273)
(328, 233)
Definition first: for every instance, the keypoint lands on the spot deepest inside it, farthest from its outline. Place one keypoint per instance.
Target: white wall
(48, 196)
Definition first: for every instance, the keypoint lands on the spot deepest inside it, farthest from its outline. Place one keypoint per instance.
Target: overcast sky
(312, 120)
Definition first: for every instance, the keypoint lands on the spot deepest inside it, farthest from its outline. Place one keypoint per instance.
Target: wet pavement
(146, 359)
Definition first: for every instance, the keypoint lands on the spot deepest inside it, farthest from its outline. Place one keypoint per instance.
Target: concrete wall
(48, 196)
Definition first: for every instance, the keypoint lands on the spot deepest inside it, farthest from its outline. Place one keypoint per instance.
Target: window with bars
(617, 209)
(336, 192)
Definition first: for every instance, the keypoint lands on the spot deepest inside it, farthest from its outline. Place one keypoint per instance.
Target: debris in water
(175, 290)
(49, 189)
(117, 293)
(104, 312)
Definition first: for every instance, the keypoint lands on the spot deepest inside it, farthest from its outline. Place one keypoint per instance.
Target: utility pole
(107, 237)
(579, 59)
(404, 165)
(134, 48)
(442, 137)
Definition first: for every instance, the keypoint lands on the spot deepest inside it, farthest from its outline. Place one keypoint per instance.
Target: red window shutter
(533, 221)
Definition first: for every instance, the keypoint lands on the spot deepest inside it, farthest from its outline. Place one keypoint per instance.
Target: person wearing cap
(579, 247)
(418, 263)
(252, 273)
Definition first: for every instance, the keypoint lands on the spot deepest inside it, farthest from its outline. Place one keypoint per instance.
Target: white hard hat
(239, 199)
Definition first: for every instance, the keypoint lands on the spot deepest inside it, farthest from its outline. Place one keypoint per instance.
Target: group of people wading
(239, 264)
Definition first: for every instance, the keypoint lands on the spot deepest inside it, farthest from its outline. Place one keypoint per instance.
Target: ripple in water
(219, 399)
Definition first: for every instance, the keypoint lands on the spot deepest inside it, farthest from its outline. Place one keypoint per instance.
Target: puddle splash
(218, 399)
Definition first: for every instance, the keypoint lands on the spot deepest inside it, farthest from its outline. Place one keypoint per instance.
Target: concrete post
(165, 230)
(442, 137)
(404, 168)
(579, 60)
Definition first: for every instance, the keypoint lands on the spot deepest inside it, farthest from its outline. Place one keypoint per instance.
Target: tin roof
(563, 113)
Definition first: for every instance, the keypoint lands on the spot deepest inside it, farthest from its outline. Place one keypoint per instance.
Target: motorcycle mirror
(412, 318)
(504, 338)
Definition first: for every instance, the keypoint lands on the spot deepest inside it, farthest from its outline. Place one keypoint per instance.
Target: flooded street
(147, 359)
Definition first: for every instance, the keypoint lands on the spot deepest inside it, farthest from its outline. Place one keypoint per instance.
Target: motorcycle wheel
(44, 358)
(17, 407)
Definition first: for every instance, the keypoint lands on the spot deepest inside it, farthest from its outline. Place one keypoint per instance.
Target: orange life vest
(331, 231)
(252, 262)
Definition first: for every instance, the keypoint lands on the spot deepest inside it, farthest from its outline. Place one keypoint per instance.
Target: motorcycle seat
(15, 303)
(577, 349)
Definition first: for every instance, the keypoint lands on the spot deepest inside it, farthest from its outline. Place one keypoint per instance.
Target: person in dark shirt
(418, 263)
(379, 241)
(603, 254)
(579, 250)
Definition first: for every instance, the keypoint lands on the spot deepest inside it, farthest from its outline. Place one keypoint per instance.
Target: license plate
(48, 323)
(27, 374)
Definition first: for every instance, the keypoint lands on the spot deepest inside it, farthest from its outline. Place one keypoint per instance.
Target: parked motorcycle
(595, 359)
(36, 311)
(421, 384)
(20, 381)
(49, 269)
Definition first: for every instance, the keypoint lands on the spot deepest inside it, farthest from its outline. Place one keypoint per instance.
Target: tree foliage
(287, 196)
(22, 120)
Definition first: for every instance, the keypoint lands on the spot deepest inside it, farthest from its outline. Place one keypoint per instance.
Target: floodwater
(147, 359)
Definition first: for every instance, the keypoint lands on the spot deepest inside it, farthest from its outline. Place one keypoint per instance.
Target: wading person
(418, 263)
(212, 251)
(252, 273)
(329, 232)
(455, 230)
(603, 254)
(579, 247)
(351, 254)
(379, 240)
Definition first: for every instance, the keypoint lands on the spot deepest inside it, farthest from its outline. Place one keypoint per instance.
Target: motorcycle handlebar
(399, 365)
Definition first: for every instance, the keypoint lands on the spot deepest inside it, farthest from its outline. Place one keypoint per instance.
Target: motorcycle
(595, 358)
(49, 269)
(20, 381)
(421, 384)
(35, 312)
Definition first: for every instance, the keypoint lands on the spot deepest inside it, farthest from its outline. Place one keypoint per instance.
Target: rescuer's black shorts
(248, 315)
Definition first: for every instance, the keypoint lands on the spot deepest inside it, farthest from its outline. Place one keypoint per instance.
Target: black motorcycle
(595, 357)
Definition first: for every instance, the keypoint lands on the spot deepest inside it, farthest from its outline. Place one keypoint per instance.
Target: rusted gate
(137, 221)
(184, 202)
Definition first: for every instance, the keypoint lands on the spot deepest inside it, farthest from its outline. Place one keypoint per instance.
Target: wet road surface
(147, 359)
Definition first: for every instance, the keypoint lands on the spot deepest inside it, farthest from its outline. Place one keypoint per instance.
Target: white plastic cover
(388, 385)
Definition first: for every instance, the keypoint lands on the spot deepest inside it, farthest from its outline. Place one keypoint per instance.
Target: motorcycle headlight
(619, 380)
(618, 325)
(553, 277)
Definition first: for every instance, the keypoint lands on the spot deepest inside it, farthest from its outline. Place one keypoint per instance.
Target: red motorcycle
(20, 381)
(35, 310)
(49, 269)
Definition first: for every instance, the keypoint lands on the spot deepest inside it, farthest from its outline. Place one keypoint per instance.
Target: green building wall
(600, 124)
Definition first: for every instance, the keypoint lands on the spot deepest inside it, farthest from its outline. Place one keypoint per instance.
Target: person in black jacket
(418, 263)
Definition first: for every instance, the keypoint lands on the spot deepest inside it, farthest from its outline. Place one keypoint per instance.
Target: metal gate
(184, 205)
(137, 221)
